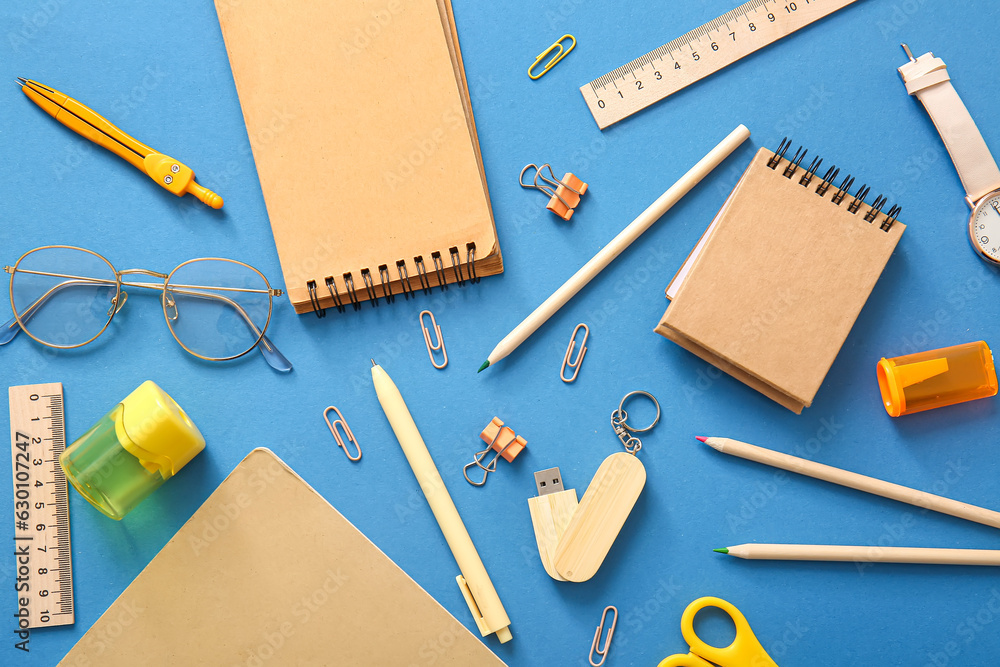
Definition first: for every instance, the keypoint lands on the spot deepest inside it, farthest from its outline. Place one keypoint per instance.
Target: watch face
(984, 227)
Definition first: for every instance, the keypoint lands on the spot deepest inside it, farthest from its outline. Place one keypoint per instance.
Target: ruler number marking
(38, 437)
(750, 26)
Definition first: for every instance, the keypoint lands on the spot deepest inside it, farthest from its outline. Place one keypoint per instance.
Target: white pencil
(604, 256)
(853, 480)
(826, 552)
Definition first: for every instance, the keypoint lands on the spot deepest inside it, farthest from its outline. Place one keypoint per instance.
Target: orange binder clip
(566, 195)
(502, 440)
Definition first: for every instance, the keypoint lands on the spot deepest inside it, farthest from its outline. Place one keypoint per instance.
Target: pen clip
(463, 586)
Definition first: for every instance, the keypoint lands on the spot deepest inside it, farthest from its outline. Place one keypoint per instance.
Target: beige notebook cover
(771, 291)
(364, 141)
(266, 572)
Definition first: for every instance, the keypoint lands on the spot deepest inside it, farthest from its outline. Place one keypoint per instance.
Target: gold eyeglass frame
(117, 304)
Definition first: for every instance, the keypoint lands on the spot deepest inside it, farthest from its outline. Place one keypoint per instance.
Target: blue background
(160, 71)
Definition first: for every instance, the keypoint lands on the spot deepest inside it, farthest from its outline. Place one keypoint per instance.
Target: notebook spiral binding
(795, 163)
(383, 288)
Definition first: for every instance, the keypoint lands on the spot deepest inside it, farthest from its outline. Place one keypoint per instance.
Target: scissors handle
(745, 651)
(684, 660)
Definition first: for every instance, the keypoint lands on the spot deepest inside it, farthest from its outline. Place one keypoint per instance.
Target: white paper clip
(339, 421)
(595, 646)
(575, 365)
(433, 347)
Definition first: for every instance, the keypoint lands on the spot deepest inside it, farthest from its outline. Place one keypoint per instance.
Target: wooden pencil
(862, 554)
(616, 246)
(853, 480)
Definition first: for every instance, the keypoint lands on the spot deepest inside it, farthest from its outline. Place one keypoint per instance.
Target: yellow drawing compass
(165, 170)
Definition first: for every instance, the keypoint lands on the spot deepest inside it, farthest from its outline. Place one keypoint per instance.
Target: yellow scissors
(171, 174)
(745, 651)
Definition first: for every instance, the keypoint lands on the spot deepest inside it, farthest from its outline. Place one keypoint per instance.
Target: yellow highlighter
(176, 177)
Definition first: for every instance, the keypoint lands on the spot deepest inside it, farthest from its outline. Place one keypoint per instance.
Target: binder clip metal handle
(342, 424)
(478, 461)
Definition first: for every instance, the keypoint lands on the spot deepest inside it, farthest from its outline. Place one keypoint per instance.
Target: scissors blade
(87, 123)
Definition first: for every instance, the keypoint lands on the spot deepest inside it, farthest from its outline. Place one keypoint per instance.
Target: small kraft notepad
(361, 126)
(267, 572)
(775, 284)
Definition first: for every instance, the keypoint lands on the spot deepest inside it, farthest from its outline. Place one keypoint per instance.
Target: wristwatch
(927, 78)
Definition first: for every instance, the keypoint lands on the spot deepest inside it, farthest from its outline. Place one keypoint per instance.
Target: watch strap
(927, 78)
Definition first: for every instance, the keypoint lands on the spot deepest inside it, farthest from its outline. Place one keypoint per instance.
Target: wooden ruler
(41, 507)
(695, 55)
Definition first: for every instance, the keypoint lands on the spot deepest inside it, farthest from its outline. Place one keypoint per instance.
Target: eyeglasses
(217, 309)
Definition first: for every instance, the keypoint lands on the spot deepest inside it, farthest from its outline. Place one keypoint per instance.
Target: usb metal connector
(548, 481)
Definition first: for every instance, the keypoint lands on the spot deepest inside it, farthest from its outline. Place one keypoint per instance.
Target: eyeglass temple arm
(272, 355)
(8, 331)
(11, 328)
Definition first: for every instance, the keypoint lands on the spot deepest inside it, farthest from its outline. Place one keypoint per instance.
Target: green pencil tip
(485, 365)
(723, 550)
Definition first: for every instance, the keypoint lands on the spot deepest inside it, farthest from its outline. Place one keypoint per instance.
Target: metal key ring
(624, 415)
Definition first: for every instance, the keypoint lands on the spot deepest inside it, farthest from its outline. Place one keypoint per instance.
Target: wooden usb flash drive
(574, 538)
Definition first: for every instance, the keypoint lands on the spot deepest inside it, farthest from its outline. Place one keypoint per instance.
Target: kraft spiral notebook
(361, 127)
(266, 572)
(775, 284)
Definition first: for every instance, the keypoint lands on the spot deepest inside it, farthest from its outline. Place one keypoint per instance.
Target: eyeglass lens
(64, 297)
(216, 308)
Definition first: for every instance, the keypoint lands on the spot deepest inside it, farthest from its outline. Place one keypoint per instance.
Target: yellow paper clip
(566, 196)
(433, 347)
(339, 421)
(575, 364)
(595, 646)
(560, 54)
